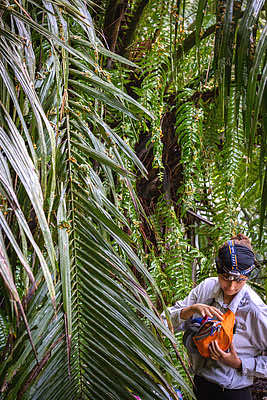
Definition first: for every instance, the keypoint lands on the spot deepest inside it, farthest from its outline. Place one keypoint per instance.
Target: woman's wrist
(239, 365)
(187, 312)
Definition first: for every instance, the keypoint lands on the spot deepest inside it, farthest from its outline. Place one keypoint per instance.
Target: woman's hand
(231, 358)
(210, 311)
(201, 309)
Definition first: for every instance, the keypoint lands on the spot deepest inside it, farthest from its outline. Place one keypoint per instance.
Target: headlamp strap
(231, 246)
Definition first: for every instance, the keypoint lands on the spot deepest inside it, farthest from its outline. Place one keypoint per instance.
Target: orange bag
(213, 329)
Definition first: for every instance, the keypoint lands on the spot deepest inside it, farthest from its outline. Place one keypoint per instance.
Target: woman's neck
(227, 299)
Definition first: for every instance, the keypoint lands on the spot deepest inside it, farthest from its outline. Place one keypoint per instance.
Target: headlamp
(229, 277)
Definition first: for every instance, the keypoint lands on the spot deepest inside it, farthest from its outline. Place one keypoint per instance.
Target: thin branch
(190, 41)
(206, 221)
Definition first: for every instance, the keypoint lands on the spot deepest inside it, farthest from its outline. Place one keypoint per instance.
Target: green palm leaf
(96, 345)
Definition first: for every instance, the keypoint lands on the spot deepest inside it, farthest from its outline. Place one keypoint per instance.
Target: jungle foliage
(133, 143)
(203, 76)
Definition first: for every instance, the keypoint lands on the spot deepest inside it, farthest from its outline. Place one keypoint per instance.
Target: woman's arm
(257, 330)
(193, 304)
(254, 364)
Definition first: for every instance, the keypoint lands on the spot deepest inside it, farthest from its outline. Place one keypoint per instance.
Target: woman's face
(231, 288)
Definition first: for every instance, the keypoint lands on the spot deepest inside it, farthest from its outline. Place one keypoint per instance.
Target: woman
(227, 374)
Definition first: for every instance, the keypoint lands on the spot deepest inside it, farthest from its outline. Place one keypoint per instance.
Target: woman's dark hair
(241, 239)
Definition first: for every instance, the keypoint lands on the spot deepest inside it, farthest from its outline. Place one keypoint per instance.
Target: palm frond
(98, 341)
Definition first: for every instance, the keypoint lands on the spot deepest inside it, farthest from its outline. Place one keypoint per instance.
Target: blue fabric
(178, 392)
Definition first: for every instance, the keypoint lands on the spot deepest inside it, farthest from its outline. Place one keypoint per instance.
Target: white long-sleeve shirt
(250, 338)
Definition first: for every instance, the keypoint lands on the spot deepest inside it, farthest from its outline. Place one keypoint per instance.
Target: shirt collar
(236, 300)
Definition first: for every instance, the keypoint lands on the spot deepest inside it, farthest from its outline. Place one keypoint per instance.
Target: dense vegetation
(133, 143)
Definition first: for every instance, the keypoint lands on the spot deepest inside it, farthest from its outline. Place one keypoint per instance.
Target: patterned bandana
(235, 259)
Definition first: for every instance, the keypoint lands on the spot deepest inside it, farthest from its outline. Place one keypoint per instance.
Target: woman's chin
(230, 293)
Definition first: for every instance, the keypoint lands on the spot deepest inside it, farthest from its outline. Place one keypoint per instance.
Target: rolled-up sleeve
(175, 311)
(254, 366)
